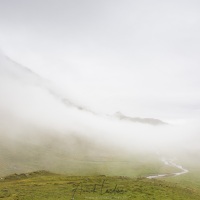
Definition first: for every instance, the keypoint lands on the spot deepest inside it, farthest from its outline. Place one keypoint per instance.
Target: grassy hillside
(191, 179)
(44, 185)
(72, 155)
(86, 166)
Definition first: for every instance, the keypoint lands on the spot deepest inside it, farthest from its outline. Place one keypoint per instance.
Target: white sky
(138, 57)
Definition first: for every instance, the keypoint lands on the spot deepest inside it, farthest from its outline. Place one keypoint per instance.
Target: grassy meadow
(46, 185)
(50, 169)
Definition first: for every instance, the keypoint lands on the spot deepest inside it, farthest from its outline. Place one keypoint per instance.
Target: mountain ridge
(23, 73)
(151, 121)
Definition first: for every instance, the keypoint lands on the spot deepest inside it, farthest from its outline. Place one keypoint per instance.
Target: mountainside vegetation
(46, 185)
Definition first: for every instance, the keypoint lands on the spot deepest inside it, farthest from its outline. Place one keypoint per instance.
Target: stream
(172, 164)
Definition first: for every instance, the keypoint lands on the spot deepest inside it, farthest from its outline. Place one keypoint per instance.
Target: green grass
(24, 158)
(82, 166)
(189, 180)
(44, 185)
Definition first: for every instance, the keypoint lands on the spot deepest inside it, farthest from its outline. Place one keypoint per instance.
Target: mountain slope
(150, 121)
(13, 70)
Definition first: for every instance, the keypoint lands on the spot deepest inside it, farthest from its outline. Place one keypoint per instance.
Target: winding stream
(172, 164)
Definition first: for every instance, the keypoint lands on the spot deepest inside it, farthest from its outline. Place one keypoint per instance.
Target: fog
(25, 98)
(67, 67)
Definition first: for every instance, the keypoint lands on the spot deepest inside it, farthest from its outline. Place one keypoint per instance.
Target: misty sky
(137, 57)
